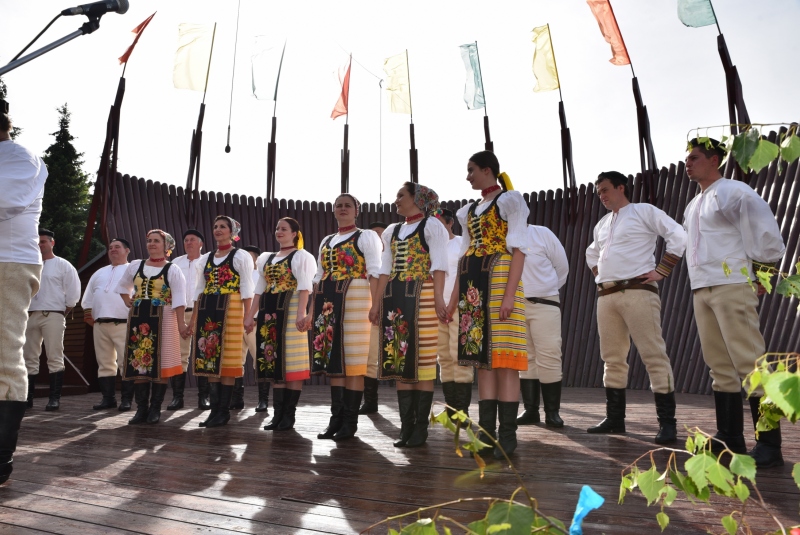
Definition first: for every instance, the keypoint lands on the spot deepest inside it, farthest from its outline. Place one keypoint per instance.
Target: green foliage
(730, 524)
(744, 147)
(750, 149)
(663, 520)
(790, 148)
(66, 194)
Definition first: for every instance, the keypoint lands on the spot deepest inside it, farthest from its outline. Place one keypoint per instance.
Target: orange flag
(341, 104)
(608, 27)
(138, 31)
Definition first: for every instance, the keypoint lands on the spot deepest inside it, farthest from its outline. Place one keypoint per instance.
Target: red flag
(608, 27)
(138, 31)
(341, 104)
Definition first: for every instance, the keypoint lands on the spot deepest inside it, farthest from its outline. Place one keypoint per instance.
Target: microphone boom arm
(88, 27)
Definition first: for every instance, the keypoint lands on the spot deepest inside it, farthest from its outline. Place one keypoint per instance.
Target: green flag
(696, 13)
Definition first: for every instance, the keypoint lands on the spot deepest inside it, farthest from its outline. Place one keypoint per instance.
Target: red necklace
(224, 247)
(287, 248)
(490, 189)
(347, 228)
(414, 218)
(157, 260)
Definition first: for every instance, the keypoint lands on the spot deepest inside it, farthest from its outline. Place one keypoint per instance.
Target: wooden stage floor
(85, 472)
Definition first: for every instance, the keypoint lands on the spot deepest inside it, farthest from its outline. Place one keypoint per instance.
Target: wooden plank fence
(140, 205)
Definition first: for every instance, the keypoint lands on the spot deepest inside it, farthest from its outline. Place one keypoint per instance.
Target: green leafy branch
(787, 285)
(750, 149)
(503, 515)
(703, 473)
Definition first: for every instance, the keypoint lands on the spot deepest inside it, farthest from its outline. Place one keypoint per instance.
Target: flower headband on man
(169, 241)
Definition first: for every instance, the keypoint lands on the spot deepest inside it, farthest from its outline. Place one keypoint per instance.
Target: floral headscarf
(236, 227)
(426, 200)
(355, 201)
(169, 241)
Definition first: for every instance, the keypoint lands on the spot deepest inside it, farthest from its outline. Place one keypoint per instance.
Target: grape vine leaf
(765, 152)
(790, 148)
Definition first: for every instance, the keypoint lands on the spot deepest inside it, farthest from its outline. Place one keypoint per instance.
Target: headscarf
(355, 201)
(426, 200)
(236, 228)
(169, 241)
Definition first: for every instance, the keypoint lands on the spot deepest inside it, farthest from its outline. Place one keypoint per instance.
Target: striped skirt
(356, 327)
(409, 331)
(282, 352)
(485, 341)
(233, 338)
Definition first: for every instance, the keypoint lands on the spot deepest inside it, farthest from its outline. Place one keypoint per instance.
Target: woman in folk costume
(155, 325)
(282, 324)
(346, 279)
(225, 289)
(411, 304)
(489, 297)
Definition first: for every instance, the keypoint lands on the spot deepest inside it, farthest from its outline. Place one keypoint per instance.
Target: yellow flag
(398, 85)
(544, 61)
(193, 56)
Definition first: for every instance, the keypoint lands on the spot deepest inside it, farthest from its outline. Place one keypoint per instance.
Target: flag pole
(233, 75)
(272, 151)
(413, 154)
(210, 53)
(555, 63)
(345, 155)
(630, 61)
(488, 145)
(716, 21)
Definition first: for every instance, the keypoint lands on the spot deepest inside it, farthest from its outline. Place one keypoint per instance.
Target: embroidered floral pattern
(268, 343)
(154, 288)
(344, 261)
(323, 337)
(209, 346)
(220, 279)
(411, 261)
(470, 328)
(396, 336)
(487, 232)
(142, 344)
(279, 277)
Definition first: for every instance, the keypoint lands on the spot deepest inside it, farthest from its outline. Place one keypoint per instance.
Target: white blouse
(242, 263)
(303, 268)
(175, 278)
(368, 242)
(513, 209)
(436, 236)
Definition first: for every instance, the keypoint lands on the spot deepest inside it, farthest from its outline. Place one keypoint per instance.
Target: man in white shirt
(105, 311)
(456, 380)
(193, 245)
(628, 306)
(22, 178)
(59, 291)
(728, 222)
(545, 272)
(370, 404)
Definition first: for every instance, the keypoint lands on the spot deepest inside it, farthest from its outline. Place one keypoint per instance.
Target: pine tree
(66, 194)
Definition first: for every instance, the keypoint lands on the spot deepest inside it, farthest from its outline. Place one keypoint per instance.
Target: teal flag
(696, 13)
(473, 89)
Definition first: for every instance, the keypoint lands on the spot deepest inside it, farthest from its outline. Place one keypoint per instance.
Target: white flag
(193, 56)
(265, 67)
(398, 85)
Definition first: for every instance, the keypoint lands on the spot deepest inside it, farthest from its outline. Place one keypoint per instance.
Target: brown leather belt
(543, 301)
(47, 312)
(630, 284)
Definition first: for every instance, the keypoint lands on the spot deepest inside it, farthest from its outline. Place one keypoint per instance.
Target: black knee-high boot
(213, 390)
(407, 402)
(141, 393)
(487, 419)
(507, 432)
(263, 396)
(156, 399)
(108, 386)
(278, 406)
(370, 404)
(337, 413)
(291, 398)
(11, 413)
(420, 434)
(614, 421)
(56, 382)
(224, 413)
(203, 394)
(767, 451)
(237, 397)
(530, 389)
(31, 391)
(551, 398)
(352, 400)
(667, 424)
(126, 396)
(178, 386)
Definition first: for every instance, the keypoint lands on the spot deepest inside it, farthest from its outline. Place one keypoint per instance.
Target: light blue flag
(696, 13)
(473, 89)
(588, 501)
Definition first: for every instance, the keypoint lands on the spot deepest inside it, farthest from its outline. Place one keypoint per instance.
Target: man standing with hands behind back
(728, 222)
(22, 178)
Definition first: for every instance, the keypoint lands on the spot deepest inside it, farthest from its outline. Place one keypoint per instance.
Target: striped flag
(544, 60)
(608, 27)
(138, 31)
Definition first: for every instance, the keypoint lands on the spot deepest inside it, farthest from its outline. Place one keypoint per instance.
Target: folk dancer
(628, 305)
(490, 299)
(106, 313)
(728, 222)
(545, 272)
(411, 305)
(224, 290)
(22, 178)
(456, 380)
(283, 321)
(370, 403)
(345, 281)
(237, 398)
(189, 263)
(155, 292)
(59, 291)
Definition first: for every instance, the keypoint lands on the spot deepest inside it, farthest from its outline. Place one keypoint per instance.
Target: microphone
(98, 8)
